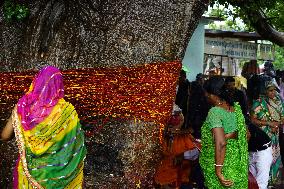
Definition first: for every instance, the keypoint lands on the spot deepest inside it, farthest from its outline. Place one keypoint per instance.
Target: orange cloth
(168, 172)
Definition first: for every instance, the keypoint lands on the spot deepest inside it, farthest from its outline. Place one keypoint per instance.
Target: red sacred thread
(145, 92)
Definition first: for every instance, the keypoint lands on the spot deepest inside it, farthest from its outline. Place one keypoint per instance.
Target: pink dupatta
(45, 91)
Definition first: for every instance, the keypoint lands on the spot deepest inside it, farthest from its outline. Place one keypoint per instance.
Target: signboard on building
(237, 49)
(266, 52)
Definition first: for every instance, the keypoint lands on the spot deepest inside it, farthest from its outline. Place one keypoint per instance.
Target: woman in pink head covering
(48, 134)
(47, 88)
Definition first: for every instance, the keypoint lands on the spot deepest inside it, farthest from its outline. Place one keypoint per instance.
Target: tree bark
(92, 33)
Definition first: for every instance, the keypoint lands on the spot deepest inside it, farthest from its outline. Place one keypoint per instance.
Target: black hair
(268, 64)
(182, 73)
(199, 76)
(229, 79)
(216, 86)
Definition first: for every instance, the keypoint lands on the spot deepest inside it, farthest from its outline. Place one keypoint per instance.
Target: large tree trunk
(90, 33)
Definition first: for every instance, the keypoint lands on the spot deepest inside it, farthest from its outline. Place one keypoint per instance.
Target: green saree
(235, 166)
(266, 109)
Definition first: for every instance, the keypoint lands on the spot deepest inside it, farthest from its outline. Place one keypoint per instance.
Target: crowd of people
(241, 135)
(217, 137)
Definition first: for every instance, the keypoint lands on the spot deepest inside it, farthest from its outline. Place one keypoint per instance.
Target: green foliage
(279, 58)
(231, 20)
(219, 12)
(273, 9)
(255, 4)
(229, 25)
(15, 11)
(276, 16)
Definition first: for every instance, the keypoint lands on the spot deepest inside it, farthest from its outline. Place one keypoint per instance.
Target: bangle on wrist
(216, 165)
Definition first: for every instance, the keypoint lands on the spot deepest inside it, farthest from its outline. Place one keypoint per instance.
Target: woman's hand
(248, 135)
(223, 181)
(8, 131)
(233, 135)
(274, 126)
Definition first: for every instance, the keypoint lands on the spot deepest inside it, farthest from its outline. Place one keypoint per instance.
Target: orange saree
(170, 172)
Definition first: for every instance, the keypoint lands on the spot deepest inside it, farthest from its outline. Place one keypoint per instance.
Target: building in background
(194, 54)
(223, 52)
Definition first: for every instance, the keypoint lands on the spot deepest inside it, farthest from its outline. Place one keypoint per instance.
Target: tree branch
(261, 24)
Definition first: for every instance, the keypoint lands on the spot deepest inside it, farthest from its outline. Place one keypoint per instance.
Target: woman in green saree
(224, 154)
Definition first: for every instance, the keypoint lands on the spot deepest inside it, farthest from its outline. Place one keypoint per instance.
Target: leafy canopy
(273, 9)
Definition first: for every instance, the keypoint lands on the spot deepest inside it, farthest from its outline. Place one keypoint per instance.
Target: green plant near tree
(15, 10)
(279, 58)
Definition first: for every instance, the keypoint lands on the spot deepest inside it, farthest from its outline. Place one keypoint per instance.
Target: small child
(174, 170)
